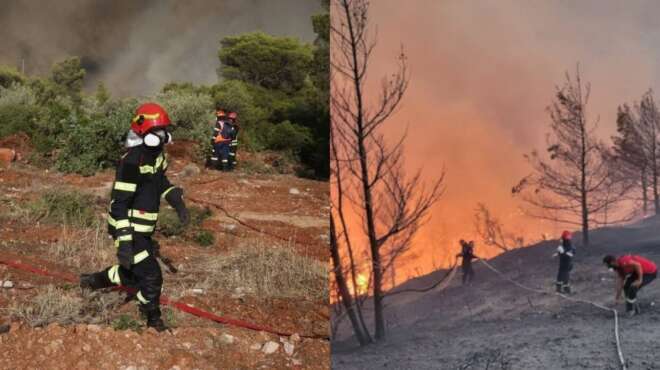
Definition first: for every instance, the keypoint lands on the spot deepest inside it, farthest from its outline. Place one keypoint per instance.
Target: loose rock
(294, 191)
(227, 339)
(270, 347)
(289, 348)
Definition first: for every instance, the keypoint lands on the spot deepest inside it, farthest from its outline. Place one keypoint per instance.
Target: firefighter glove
(175, 199)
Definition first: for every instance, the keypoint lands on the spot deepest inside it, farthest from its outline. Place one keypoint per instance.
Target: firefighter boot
(154, 320)
(94, 281)
(558, 287)
(566, 289)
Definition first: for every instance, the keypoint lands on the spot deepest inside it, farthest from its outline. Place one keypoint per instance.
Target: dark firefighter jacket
(140, 183)
(224, 129)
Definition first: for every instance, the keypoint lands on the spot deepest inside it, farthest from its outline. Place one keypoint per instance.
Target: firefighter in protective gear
(221, 139)
(634, 272)
(140, 183)
(467, 254)
(566, 252)
(233, 146)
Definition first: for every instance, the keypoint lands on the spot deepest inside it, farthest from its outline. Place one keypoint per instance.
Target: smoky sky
(482, 75)
(135, 47)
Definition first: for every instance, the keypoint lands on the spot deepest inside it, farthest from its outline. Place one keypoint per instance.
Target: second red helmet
(566, 235)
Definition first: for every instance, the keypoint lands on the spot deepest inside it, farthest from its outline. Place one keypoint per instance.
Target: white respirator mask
(156, 138)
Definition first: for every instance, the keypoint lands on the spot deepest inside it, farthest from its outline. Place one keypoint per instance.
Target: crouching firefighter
(140, 183)
(634, 272)
(566, 252)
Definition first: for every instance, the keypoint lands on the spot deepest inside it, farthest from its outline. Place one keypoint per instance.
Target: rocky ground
(492, 324)
(247, 210)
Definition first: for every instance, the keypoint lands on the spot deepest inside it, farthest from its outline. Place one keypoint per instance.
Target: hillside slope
(493, 324)
(265, 265)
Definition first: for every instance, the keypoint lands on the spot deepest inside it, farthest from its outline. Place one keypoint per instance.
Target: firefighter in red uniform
(140, 183)
(634, 272)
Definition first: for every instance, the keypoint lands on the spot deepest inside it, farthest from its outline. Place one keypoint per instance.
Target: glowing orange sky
(482, 75)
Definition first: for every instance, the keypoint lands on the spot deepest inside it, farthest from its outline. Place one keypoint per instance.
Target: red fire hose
(163, 299)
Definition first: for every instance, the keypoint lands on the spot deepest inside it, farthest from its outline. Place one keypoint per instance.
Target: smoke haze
(135, 47)
(483, 74)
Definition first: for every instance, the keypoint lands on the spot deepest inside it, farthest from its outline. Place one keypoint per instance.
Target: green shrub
(65, 206)
(126, 322)
(169, 224)
(10, 76)
(285, 136)
(97, 143)
(204, 238)
(18, 110)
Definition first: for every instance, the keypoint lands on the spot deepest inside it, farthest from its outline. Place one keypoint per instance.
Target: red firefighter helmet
(149, 116)
(566, 235)
(232, 115)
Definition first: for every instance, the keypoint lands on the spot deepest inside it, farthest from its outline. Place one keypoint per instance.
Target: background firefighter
(467, 254)
(233, 146)
(221, 140)
(140, 183)
(634, 272)
(566, 252)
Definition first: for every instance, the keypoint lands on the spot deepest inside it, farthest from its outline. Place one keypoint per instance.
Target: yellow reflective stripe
(111, 221)
(113, 275)
(125, 237)
(160, 161)
(136, 213)
(141, 298)
(125, 186)
(143, 228)
(146, 116)
(120, 224)
(140, 257)
(167, 191)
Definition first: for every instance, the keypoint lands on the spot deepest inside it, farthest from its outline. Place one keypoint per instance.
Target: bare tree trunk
(654, 170)
(342, 286)
(645, 197)
(583, 167)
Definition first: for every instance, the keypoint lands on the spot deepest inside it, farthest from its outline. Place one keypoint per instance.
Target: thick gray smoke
(135, 47)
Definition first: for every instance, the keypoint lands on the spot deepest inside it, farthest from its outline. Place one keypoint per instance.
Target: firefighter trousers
(144, 276)
(564, 273)
(222, 154)
(631, 291)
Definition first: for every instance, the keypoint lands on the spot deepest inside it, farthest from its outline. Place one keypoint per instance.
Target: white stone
(294, 191)
(270, 347)
(227, 339)
(289, 348)
(255, 347)
(7, 284)
(295, 337)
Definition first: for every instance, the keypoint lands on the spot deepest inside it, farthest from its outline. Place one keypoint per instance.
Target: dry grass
(267, 272)
(86, 249)
(52, 304)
